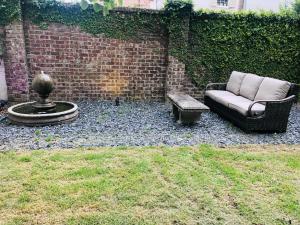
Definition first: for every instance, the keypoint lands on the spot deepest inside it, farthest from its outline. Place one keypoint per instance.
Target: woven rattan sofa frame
(274, 119)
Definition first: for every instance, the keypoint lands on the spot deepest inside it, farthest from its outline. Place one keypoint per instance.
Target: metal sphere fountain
(43, 111)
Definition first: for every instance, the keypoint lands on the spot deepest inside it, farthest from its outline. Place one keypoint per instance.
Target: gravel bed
(137, 124)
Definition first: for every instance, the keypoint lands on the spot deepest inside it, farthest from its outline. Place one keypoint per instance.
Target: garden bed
(138, 124)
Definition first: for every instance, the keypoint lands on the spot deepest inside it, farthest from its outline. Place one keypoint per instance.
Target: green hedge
(219, 43)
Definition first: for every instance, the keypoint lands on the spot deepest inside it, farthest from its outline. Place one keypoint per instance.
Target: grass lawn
(152, 185)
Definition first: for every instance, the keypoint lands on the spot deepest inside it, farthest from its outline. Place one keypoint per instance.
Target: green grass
(152, 185)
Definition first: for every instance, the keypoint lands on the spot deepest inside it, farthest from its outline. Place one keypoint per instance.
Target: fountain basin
(26, 114)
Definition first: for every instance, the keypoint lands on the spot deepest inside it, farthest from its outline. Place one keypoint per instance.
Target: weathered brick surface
(175, 75)
(15, 62)
(87, 67)
(178, 81)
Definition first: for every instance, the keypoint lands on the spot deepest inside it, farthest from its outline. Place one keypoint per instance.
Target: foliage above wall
(296, 6)
(99, 5)
(123, 25)
(9, 11)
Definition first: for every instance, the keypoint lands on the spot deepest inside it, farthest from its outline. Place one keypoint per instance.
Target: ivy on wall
(177, 19)
(122, 25)
(268, 45)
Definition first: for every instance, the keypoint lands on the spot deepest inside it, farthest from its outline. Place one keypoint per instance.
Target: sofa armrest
(272, 104)
(216, 86)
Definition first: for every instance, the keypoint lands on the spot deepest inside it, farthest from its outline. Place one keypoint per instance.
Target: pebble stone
(101, 123)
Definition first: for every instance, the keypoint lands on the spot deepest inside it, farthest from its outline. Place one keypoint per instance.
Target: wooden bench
(186, 109)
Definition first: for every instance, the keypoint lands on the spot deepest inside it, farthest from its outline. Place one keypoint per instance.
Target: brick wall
(84, 66)
(87, 67)
(15, 62)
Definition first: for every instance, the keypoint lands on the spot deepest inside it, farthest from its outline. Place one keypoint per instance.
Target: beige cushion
(235, 102)
(250, 85)
(272, 89)
(234, 82)
(223, 97)
(242, 104)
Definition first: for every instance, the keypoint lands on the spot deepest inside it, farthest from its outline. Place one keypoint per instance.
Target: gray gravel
(137, 124)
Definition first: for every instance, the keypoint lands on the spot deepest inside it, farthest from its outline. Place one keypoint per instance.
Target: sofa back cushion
(272, 89)
(234, 82)
(250, 86)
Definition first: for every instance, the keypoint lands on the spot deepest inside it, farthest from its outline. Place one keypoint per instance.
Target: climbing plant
(217, 43)
(296, 7)
(267, 44)
(98, 5)
(116, 24)
(9, 11)
(177, 14)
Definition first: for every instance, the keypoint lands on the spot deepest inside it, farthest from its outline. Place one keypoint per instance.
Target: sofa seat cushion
(242, 104)
(250, 86)
(223, 97)
(272, 89)
(234, 82)
(235, 102)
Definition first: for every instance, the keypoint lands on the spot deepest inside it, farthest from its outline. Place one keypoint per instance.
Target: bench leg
(175, 112)
(188, 117)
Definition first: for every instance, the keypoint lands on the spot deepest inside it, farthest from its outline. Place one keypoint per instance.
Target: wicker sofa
(252, 102)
